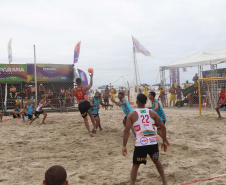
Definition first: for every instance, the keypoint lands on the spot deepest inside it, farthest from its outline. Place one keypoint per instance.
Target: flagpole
(135, 66)
(138, 74)
(36, 90)
(5, 102)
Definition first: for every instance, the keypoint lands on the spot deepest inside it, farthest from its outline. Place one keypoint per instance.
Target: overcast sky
(169, 29)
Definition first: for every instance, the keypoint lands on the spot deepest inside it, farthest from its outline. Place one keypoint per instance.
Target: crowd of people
(176, 95)
(141, 121)
(26, 98)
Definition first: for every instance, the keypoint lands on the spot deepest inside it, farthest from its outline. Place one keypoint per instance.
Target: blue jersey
(159, 111)
(126, 108)
(96, 108)
(30, 109)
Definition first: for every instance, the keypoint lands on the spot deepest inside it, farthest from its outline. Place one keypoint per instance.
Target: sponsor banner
(13, 72)
(51, 72)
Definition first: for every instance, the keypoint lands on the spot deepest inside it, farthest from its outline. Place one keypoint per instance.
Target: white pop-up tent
(200, 59)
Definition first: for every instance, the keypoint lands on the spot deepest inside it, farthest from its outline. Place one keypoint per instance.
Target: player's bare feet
(43, 122)
(91, 134)
(94, 130)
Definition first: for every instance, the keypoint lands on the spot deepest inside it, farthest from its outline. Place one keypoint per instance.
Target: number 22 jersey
(144, 128)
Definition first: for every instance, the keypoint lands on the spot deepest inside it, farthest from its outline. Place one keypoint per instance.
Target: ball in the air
(90, 70)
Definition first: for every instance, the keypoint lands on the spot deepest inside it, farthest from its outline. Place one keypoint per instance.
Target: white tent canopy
(200, 59)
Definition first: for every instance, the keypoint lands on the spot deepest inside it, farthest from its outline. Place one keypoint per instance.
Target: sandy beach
(26, 152)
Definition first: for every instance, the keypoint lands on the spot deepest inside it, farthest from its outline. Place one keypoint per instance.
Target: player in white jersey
(39, 110)
(143, 121)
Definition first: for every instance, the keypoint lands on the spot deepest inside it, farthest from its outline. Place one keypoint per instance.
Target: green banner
(13, 72)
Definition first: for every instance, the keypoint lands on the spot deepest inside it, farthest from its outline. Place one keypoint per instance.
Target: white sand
(26, 152)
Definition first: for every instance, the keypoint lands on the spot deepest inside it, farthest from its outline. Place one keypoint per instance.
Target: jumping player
(158, 109)
(83, 103)
(143, 121)
(39, 110)
(222, 101)
(125, 106)
(95, 104)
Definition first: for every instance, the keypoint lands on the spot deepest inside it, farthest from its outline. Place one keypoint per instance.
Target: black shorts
(37, 113)
(222, 106)
(13, 94)
(42, 93)
(96, 115)
(164, 122)
(106, 100)
(30, 116)
(140, 153)
(84, 108)
(18, 116)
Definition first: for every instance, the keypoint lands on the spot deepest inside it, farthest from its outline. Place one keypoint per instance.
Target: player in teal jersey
(95, 103)
(127, 109)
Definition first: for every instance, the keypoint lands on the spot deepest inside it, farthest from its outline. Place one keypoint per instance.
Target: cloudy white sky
(169, 29)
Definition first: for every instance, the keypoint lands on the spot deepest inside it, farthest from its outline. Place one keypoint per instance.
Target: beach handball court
(196, 156)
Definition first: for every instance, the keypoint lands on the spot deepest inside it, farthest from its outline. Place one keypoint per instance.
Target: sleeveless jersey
(159, 111)
(30, 109)
(112, 91)
(17, 110)
(126, 108)
(222, 96)
(95, 109)
(80, 95)
(144, 128)
(39, 108)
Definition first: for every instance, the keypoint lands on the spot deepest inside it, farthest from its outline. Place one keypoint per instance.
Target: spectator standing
(32, 90)
(62, 97)
(187, 84)
(172, 92)
(195, 79)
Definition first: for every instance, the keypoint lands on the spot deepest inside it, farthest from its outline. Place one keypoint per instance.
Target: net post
(200, 105)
